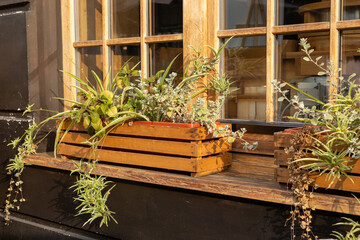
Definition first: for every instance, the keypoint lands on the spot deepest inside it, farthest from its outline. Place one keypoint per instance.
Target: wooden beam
(270, 60)
(221, 183)
(334, 45)
(123, 41)
(296, 28)
(164, 38)
(241, 32)
(68, 37)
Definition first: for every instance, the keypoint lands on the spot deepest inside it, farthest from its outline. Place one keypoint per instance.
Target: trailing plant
(300, 214)
(26, 145)
(90, 189)
(15, 168)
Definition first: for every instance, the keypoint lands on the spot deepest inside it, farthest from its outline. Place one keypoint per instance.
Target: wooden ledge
(221, 183)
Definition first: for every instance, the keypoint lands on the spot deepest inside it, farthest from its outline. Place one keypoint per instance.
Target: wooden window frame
(334, 26)
(70, 43)
(201, 21)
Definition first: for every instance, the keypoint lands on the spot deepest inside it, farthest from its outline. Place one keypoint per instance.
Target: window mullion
(213, 7)
(334, 44)
(68, 37)
(106, 36)
(194, 30)
(144, 30)
(270, 59)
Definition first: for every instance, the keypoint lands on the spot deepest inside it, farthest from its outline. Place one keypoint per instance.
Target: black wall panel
(13, 61)
(146, 211)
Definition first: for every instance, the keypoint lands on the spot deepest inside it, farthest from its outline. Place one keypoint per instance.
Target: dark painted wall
(146, 211)
(30, 47)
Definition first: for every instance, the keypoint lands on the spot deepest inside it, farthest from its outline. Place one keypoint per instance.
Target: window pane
(245, 64)
(90, 20)
(351, 9)
(122, 54)
(163, 53)
(90, 58)
(350, 57)
(244, 14)
(293, 69)
(303, 11)
(125, 18)
(166, 17)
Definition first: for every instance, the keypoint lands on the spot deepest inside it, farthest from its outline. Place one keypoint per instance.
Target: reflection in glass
(125, 18)
(90, 58)
(303, 11)
(166, 17)
(163, 53)
(244, 14)
(304, 75)
(122, 54)
(245, 64)
(90, 20)
(351, 9)
(350, 57)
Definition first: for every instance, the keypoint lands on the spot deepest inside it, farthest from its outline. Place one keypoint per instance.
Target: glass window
(166, 17)
(125, 18)
(163, 53)
(244, 13)
(90, 20)
(126, 53)
(350, 57)
(245, 64)
(351, 9)
(90, 59)
(303, 11)
(293, 69)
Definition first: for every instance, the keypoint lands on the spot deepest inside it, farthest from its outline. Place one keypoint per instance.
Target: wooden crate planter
(282, 141)
(179, 147)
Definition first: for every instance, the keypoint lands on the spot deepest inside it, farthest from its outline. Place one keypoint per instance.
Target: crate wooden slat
(283, 140)
(192, 149)
(149, 160)
(157, 131)
(345, 184)
(180, 148)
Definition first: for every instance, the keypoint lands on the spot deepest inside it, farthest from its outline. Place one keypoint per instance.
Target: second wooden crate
(282, 140)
